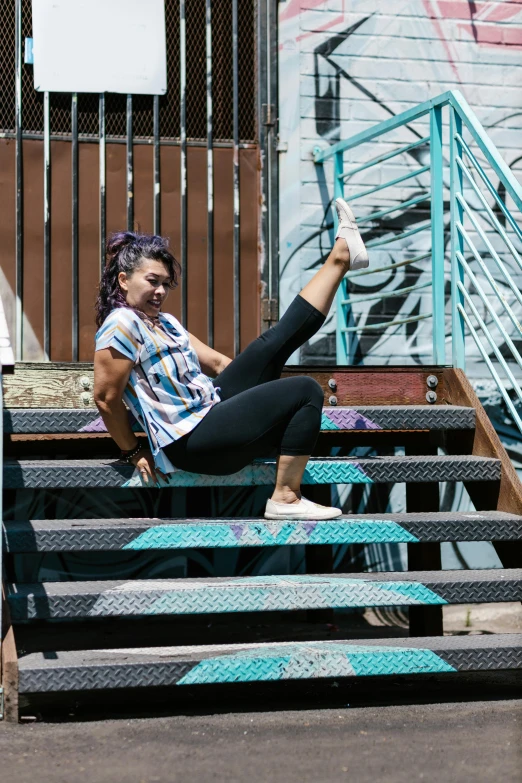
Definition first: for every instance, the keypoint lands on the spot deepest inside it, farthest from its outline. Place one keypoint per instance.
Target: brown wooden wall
(61, 277)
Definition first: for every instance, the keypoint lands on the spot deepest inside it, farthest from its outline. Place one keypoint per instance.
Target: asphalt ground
(431, 728)
(465, 727)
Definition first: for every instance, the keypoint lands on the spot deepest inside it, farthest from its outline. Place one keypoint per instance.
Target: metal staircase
(53, 659)
(84, 635)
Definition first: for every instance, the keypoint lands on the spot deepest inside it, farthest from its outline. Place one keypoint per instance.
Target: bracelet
(126, 456)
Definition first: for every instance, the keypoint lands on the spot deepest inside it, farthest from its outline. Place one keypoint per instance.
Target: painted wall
(345, 65)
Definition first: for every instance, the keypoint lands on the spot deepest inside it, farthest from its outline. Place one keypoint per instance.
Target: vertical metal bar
(103, 177)
(157, 167)
(437, 235)
(130, 168)
(266, 127)
(47, 227)
(183, 157)
(272, 53)
(210, 180)
(19, 246)
(75, 271)
(341, 337)
(457, 241)
(235, 134)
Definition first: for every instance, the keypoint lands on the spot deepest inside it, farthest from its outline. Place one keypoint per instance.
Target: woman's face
(147, 287)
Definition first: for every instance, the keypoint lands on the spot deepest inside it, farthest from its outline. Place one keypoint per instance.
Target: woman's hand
(144, 462)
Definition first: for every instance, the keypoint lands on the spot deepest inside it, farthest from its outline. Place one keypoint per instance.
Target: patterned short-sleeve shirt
(167, 391)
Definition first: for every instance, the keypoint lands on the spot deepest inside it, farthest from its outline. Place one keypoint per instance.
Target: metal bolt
(332, 383)
(432, 381)
(332, 400)
(85, 382)
(431, 397)
(86, 398)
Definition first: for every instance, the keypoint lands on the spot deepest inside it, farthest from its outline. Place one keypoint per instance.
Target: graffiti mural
(358, 63)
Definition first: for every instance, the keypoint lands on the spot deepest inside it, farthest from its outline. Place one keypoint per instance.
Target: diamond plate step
(65, 535)
(398, 417)
(142, 667)
(80, 600)
(58, 474)
(372, 417)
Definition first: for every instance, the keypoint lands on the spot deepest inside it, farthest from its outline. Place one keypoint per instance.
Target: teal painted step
(366, 417)
(64, 535)
(196, 665)
(57, 474)
(81, 600)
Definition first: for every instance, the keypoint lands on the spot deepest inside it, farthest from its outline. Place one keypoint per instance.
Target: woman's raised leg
(321, 289)
(266, 356)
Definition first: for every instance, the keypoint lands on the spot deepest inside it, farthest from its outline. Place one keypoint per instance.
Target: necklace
(151, 320)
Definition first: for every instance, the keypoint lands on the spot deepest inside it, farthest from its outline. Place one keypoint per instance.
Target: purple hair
(125, 252)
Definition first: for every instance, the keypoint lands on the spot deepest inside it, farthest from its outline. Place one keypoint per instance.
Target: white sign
(100, 46)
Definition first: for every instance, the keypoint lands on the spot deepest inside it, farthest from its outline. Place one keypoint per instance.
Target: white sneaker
(347, 229)
(305, 509)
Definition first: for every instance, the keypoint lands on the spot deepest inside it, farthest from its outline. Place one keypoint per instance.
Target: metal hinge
(268, 113)
(269, 310)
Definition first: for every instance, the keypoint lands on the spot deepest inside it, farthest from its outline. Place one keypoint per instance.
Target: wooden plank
(49, 386)
(374, 385)
(507, 496)
(58, 385)
(9, 667)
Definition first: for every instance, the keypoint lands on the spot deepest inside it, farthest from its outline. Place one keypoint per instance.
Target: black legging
(259, 411)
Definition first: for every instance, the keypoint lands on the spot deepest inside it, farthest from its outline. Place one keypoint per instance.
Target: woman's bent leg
(282, 416)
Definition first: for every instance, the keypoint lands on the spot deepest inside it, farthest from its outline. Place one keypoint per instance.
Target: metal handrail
(465, 169)
(6, 366)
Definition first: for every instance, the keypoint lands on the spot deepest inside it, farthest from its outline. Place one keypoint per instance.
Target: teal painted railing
(6, 365)
(470, 231)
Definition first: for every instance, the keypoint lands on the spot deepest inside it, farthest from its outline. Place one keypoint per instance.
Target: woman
(145, 357)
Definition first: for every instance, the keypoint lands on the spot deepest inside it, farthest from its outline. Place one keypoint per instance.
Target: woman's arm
(212, 362)
(111, 374)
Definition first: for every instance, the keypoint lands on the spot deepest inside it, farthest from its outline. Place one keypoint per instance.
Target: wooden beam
(9, 666)
(505, 496)
(374, 385)
(54, 385)
(49, 385)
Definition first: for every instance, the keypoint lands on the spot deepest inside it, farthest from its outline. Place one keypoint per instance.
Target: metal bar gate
(221, 96)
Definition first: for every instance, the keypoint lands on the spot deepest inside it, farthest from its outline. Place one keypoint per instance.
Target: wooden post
(505, 495)
(9, 667)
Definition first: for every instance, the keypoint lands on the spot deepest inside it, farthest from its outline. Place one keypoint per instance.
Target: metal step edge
(58, 474)
(38, 421)
(210, 664)
(80, 600)
(157, 534)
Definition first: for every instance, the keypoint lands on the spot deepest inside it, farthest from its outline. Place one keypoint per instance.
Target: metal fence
(220, 90)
